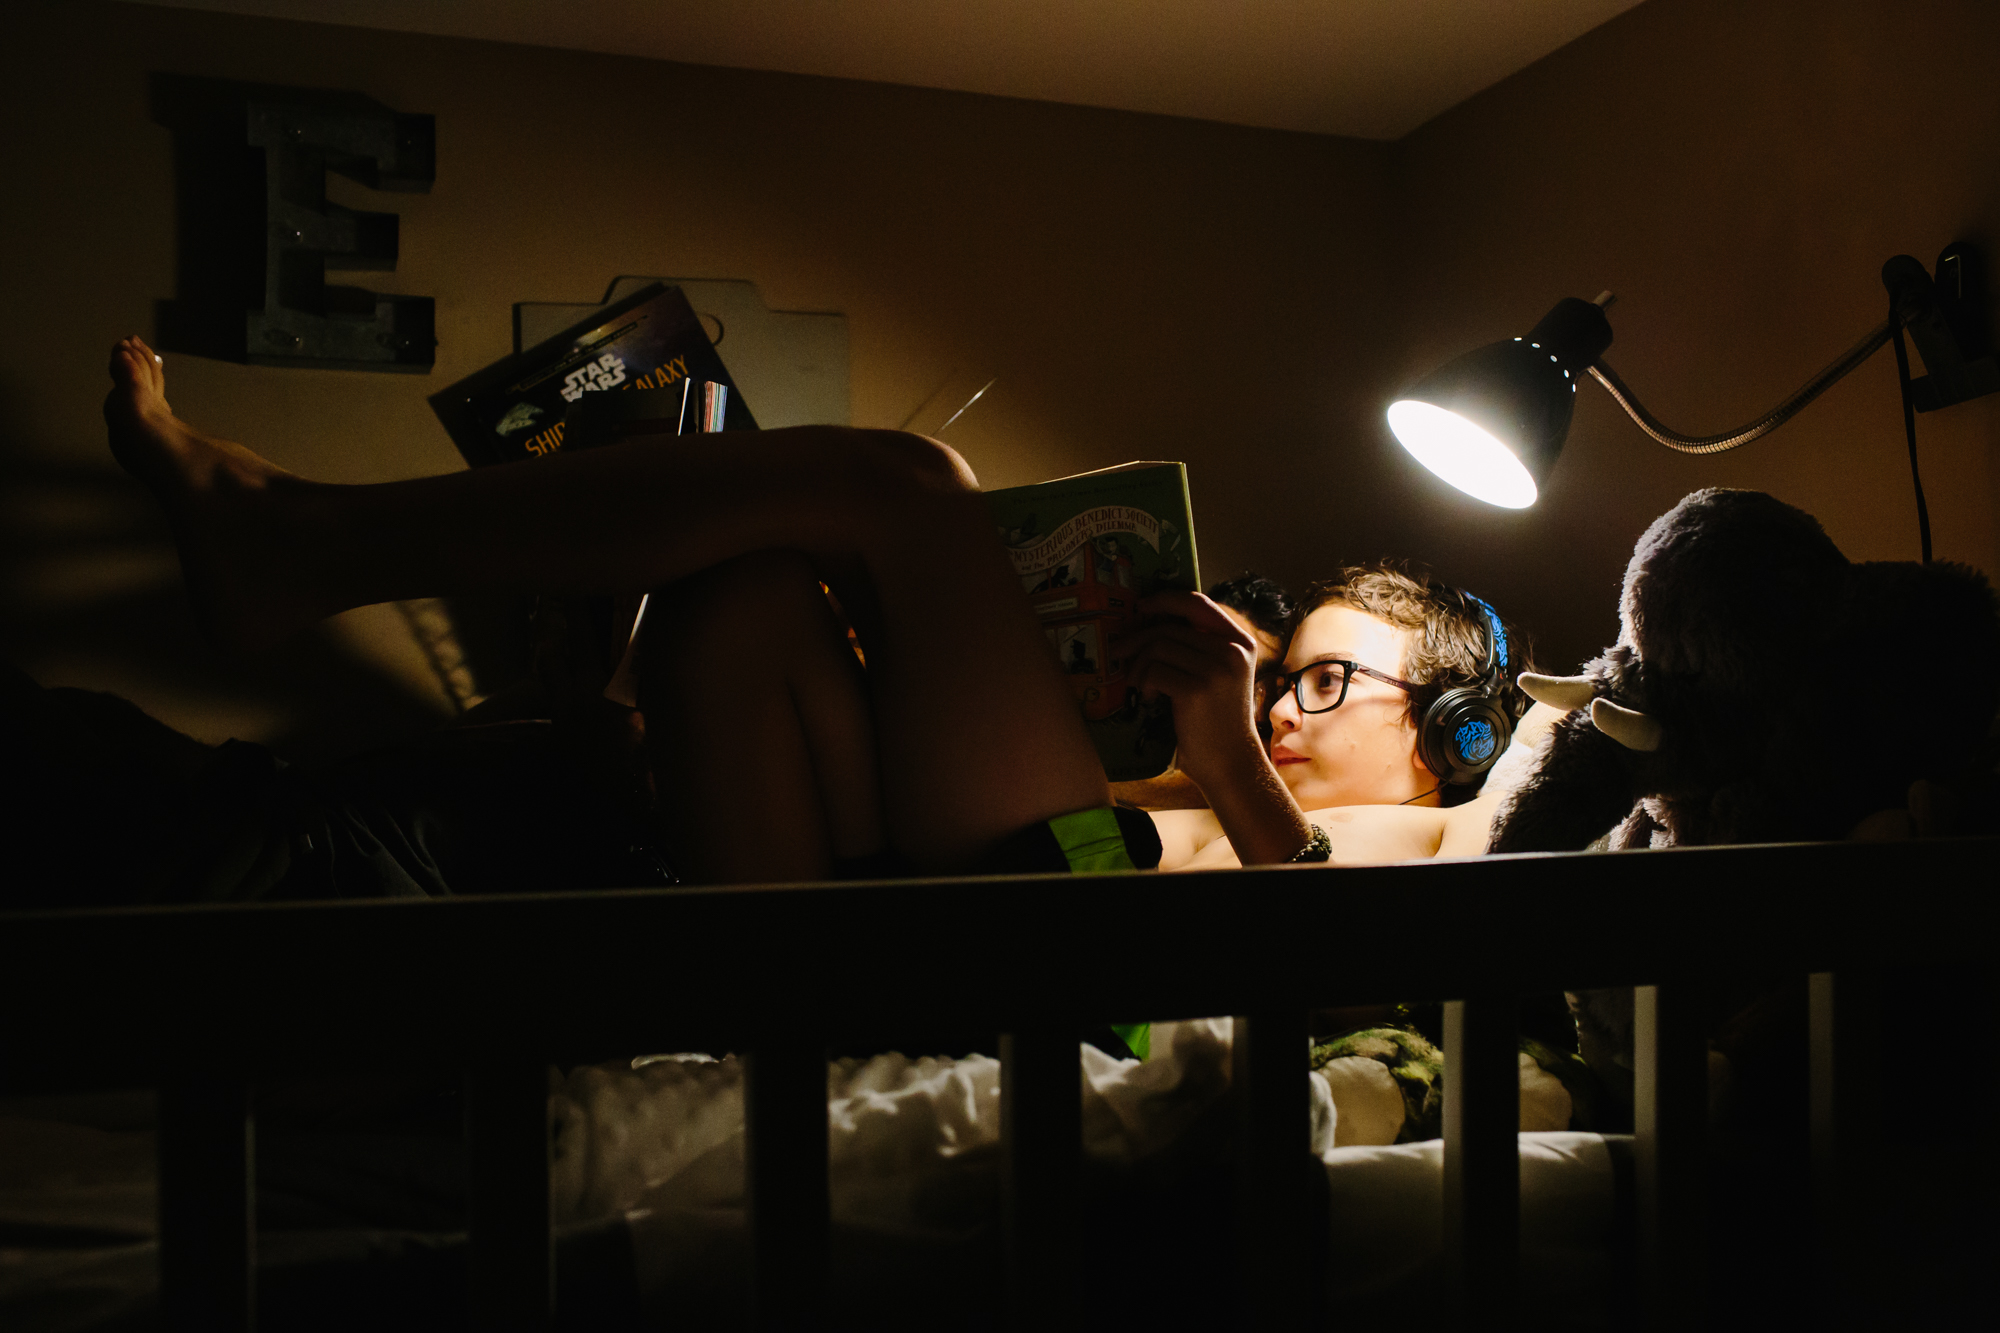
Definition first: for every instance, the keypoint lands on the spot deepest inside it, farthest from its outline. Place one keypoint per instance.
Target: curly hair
(1264, 603)
(1448, 632)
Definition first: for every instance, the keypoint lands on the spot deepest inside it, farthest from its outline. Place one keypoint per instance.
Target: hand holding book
(1189, 651)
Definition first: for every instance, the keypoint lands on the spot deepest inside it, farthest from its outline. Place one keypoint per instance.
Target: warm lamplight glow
(1463, 454)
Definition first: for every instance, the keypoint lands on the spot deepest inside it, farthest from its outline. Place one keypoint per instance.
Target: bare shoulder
(1183, 835)
(1362, 835)
(1373, 834)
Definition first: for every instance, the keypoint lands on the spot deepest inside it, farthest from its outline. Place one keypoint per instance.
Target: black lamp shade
(1493, 421)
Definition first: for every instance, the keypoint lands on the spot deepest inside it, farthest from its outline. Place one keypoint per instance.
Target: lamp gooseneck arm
(1764, 425)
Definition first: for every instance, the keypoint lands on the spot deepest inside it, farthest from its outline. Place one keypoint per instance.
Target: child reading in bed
(777, 756)
(1370, 656)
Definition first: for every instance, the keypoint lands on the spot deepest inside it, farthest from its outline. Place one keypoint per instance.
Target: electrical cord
(1910, 428)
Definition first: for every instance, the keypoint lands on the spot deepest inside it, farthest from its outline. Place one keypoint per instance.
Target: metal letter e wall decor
(257, 236)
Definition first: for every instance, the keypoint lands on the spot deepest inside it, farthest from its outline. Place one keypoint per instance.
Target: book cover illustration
(544, 399)
(1086, 549)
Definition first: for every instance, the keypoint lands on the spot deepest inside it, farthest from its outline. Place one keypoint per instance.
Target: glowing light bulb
(1465, 455)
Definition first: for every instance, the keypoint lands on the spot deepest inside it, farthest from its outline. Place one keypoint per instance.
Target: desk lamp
(1493, 421)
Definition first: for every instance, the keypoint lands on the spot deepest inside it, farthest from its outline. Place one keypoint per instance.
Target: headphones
(1467, 728)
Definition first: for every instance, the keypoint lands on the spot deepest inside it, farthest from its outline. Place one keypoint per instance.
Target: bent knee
(916, 461)
(709, 622)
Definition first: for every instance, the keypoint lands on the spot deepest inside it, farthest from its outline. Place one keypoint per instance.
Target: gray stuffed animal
(1763, 689)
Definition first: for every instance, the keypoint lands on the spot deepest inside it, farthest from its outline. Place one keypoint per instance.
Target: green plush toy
(1550, 1080)
(1415, 1064)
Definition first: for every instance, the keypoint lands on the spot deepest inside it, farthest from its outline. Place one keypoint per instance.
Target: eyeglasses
(1321, 687)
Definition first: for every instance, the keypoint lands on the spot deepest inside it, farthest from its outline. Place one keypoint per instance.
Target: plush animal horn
(1564, 692)
(1633, 730)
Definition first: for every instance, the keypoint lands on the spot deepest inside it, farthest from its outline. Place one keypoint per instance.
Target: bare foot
(227, 507)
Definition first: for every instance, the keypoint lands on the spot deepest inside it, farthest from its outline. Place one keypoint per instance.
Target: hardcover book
(556, 395)
(1086, 549)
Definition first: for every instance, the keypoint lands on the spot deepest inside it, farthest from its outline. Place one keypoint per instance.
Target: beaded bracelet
(1318, 848)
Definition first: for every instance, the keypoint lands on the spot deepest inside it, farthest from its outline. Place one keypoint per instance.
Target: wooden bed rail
(204, 1000)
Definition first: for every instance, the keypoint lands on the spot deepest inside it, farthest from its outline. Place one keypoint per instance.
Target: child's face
(1365, 751)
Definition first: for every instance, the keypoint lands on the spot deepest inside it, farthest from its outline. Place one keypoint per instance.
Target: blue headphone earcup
(1466, 730)
(1463, 734)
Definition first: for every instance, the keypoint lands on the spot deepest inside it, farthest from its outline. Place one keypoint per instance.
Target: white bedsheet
(914, 1163)
(915, 1159)
(902, 1131)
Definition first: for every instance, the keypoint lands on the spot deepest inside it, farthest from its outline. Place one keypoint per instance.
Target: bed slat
(1041, 1131)
(208, 1203)
(1845, 1035)
(1275, 1272)
(785, 1153)
(1482, 1161)
(1670, 1130)
(510, 1269)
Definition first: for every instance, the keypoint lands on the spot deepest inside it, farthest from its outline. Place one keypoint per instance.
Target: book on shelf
(1086, 549)
(642, 365)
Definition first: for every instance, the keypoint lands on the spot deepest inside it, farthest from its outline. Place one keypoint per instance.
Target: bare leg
(758, 725)
(212, 491)
(975, 726)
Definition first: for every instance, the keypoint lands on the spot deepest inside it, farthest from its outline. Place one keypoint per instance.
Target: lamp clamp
(1946, 319)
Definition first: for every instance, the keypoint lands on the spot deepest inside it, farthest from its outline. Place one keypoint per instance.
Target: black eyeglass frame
(1290, 680)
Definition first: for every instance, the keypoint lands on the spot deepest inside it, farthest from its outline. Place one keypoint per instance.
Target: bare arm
(1171, 790)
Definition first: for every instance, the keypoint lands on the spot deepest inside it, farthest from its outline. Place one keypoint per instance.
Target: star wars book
(1086, 549)
(624, 370)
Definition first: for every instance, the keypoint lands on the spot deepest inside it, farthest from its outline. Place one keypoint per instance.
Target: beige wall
(1736, 172)
(1126, 278)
